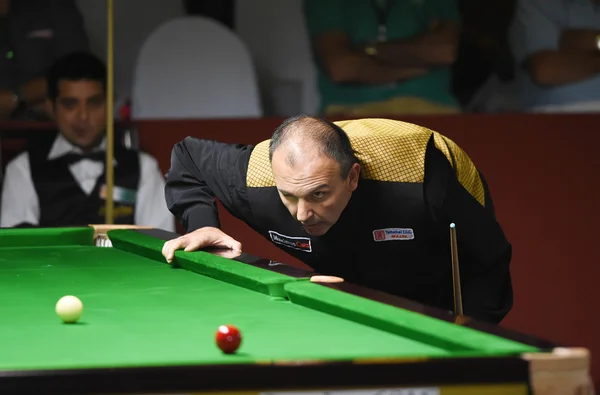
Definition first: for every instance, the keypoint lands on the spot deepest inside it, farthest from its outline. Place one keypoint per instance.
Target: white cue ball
(69, 308)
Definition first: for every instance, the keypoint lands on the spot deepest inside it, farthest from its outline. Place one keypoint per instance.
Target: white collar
(62, 146)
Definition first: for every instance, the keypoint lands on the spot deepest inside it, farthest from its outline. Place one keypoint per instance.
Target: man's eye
(68, 103)
(319, 194)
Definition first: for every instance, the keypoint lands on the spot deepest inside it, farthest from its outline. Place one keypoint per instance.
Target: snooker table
(148, 327)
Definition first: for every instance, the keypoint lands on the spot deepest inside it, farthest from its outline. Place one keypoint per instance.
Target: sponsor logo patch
(297, 243)
(393, 234)
(42, 33)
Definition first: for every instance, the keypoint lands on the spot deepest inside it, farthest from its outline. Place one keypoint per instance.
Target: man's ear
(49, 109)
(353, 177)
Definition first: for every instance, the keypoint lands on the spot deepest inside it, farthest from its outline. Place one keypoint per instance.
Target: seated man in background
(384, 57)
(60, 180)
(33, 34)
(556, 44)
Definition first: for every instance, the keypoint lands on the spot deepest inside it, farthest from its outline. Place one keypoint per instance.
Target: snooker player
(367, 200)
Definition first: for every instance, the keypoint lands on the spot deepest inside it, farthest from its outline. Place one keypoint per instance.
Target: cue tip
(452, 225)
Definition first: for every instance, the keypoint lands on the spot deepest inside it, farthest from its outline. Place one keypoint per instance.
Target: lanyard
(382, 9)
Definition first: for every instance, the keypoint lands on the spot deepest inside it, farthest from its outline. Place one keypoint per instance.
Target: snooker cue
(458, 308)
(109, 205)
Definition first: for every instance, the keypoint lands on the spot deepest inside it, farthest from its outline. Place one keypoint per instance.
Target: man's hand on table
(198, 239)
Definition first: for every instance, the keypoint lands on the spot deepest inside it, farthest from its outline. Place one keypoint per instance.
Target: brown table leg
(564, 371)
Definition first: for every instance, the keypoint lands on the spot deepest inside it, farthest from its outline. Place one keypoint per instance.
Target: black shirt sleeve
(484, 252)
(202, 170)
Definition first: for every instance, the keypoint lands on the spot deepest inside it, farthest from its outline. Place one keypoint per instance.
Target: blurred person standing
(384, 57)
(556, 44)
(33, 34)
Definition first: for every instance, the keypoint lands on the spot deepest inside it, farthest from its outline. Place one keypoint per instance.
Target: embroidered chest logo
(393, 234)
(297, 243)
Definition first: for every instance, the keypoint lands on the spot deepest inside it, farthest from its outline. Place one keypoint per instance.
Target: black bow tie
(74, 158)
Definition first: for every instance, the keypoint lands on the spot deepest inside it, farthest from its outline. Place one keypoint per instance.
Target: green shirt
(358, 18)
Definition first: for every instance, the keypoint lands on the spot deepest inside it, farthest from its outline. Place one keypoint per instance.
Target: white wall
(274, 32)
(133, 21)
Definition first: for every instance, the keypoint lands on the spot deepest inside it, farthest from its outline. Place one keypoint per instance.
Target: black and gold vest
(387, 236)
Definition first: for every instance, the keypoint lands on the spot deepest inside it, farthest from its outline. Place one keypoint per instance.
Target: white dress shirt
(20, 201)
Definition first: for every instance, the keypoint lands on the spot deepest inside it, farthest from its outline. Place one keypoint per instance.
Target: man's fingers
(171, 246)
(196, 243)
(199, 239)
(235, 245)
(190, 247)
(168, 250)
(165, 250)
(229, 242)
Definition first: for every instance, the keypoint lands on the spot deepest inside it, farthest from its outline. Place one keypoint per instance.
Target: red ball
(228, 338)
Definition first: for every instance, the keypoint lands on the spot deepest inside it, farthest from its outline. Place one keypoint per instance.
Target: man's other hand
(198, 239)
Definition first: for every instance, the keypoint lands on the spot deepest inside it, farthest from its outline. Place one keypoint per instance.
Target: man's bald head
(304, 136)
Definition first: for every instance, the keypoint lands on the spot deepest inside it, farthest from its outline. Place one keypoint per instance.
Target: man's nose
(83, 113)
(304, 211)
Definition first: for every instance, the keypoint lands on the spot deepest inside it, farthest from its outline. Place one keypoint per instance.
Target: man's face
(80, 112)
(312, 188)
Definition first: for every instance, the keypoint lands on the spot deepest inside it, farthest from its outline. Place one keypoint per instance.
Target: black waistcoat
(61, 199)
